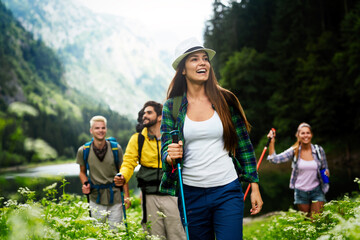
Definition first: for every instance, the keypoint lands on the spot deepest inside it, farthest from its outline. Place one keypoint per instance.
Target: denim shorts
(303, 197)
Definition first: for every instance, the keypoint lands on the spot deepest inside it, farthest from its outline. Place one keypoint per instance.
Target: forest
(291, 62)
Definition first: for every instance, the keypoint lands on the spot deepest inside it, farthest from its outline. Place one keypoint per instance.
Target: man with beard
(160, 212)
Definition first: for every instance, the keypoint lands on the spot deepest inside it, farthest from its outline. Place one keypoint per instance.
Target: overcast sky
(167, 22)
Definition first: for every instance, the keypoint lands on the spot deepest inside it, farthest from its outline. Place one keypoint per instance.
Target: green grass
(64, 216)
(340, 220)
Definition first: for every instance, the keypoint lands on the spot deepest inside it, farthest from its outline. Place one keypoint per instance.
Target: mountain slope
(104, 56)
(41, 117)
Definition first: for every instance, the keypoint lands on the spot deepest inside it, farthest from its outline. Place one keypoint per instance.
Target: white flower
(105, 213)
(52, 186)
(25, 191)
(10, 203)
(290, 228)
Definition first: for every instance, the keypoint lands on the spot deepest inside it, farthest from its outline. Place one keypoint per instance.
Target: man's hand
(119, 181)
(86, 188)
(127, 203)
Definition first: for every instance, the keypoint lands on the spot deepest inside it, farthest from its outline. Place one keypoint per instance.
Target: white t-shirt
(206, 162)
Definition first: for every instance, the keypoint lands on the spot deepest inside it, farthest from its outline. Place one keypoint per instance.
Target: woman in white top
(215, 149)
(309, 165)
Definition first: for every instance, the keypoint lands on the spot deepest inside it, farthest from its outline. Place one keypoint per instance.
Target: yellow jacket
(150, 154)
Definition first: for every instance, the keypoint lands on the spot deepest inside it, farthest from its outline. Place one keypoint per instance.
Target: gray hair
(97, 119)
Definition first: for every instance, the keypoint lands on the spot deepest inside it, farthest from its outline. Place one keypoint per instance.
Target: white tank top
(206, 162)
(307, 178)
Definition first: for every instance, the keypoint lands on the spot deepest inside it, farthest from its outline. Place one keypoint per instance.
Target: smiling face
(98, 130)
(150, 117)
(197, 67)
(305, 135)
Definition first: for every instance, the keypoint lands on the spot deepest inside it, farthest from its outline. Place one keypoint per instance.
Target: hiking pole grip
(175, 138)
(121, 187)
(260, 160)
(269, 139)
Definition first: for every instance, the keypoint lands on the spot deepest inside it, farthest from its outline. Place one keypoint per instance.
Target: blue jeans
(315, 195)
(214, 212)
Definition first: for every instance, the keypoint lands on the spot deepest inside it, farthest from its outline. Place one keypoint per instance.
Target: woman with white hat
(215, 149)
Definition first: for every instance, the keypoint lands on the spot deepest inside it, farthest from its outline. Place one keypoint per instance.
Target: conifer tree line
(291, 62)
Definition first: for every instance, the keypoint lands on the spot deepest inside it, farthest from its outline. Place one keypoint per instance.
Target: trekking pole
(123, 203)
(175, 139)
(260, 159)
(88, 198)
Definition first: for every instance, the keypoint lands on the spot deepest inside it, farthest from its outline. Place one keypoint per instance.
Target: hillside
(41, 116)
(105, 53)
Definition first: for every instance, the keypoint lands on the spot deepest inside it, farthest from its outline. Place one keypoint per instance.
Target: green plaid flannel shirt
(244, 159)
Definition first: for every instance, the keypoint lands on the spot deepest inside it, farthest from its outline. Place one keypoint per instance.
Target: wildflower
(81, 205)
(104, 213)
(52, 186)
(290, 228)
(10, 203)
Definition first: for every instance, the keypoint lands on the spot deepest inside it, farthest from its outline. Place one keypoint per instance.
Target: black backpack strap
(141, 140)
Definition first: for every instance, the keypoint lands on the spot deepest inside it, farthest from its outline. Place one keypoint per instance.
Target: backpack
(146, 175)
(114, 149)
(148, 178)
(317, 153)
(317, 149)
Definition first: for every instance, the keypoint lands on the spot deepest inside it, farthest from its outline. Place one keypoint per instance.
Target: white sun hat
(189, 46)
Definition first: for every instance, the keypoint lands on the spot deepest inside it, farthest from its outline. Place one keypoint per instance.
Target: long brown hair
(221, 99)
